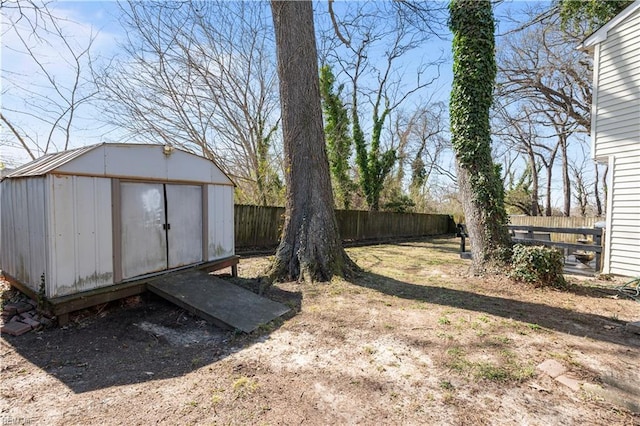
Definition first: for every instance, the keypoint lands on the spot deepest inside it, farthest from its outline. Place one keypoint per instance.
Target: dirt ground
(413, 340)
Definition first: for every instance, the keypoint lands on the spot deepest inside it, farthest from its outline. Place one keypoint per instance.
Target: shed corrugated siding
(221, 242)
(145, 162)
(617, 107)
(80, 234)
(624, 247)
(23, 232)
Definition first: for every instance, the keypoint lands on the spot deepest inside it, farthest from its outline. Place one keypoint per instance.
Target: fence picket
(258, 226)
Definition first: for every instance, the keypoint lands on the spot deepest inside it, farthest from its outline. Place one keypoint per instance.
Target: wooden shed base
(61, 307)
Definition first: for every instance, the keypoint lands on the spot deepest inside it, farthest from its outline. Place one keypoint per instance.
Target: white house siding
(615, 133)
(616, 110)
(221, 237)
(23, 230)
(81, 236)
(623, 218)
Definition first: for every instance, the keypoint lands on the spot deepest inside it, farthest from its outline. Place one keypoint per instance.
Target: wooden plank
(582, 247)
(579, 231)
(217, 300)
(216, 265)
(66, 304)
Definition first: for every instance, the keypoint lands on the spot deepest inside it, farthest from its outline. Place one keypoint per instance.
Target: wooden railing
(542, 235)
(557, 222)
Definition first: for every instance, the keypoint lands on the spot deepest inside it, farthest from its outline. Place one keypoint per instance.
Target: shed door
(161, 227)
(144, 241)
(184, 215)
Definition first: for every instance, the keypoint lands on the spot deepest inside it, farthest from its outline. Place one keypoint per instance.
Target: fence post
(598, 241)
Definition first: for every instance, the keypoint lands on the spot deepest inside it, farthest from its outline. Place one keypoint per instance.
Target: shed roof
(134, 161)
(48, 162)
(600, 35)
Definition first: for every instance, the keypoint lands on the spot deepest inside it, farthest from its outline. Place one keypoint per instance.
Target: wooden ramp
(217, 300)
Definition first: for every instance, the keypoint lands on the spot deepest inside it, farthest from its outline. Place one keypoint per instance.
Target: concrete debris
(20, 315)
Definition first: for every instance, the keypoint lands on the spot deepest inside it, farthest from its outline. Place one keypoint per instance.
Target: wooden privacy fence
(257, 226)
(557, 222)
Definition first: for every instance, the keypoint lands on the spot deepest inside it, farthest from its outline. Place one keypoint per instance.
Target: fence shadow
(563, 320)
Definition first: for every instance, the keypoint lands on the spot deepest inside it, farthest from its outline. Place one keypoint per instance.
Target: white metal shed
(108, 214)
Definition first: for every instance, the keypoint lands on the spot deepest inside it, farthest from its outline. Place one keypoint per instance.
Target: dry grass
(413, 340)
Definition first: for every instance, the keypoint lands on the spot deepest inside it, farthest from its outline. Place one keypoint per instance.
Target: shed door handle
(166, 226)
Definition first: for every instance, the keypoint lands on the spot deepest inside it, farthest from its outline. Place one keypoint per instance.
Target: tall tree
(201, 75)
(366, 45)
(310, 248)
(574, 13)
(540, 70)
(337, 134)
(481, 187)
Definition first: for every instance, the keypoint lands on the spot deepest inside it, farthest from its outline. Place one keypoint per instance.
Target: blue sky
(100, 18)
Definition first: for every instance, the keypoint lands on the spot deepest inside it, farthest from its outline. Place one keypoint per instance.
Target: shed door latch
(166, 226)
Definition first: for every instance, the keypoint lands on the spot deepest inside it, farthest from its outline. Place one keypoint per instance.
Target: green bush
(537, 265)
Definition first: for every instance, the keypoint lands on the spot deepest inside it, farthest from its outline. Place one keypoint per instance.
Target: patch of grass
(483, 318)
(195, 362)
(444, 320)
(245, 386)
(488, 371)
(448, 398)
(502, 340)
(535, 327)
(507, 369)
(369, 350)
(456, 359)
(216, 398)
(445, 384)
(443, 335)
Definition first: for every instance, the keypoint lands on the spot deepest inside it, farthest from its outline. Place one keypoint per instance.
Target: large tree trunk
(482, 189)
(310, 248)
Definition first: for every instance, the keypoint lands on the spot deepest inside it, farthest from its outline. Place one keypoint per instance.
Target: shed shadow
(135, 340)
(563, 320)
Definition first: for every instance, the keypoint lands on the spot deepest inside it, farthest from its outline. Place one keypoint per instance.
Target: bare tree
(581, 188)
(310, 248)
(516, 128)
(539, 65)
(40, 109)
(201, 75)
(421, 144)
(376, 87)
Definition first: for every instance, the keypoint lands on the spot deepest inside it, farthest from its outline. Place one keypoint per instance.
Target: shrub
(537, 265)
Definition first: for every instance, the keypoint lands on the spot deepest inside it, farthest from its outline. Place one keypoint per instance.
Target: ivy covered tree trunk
(374, 165)
(310, 248)
(337, 134)
(481, 187)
